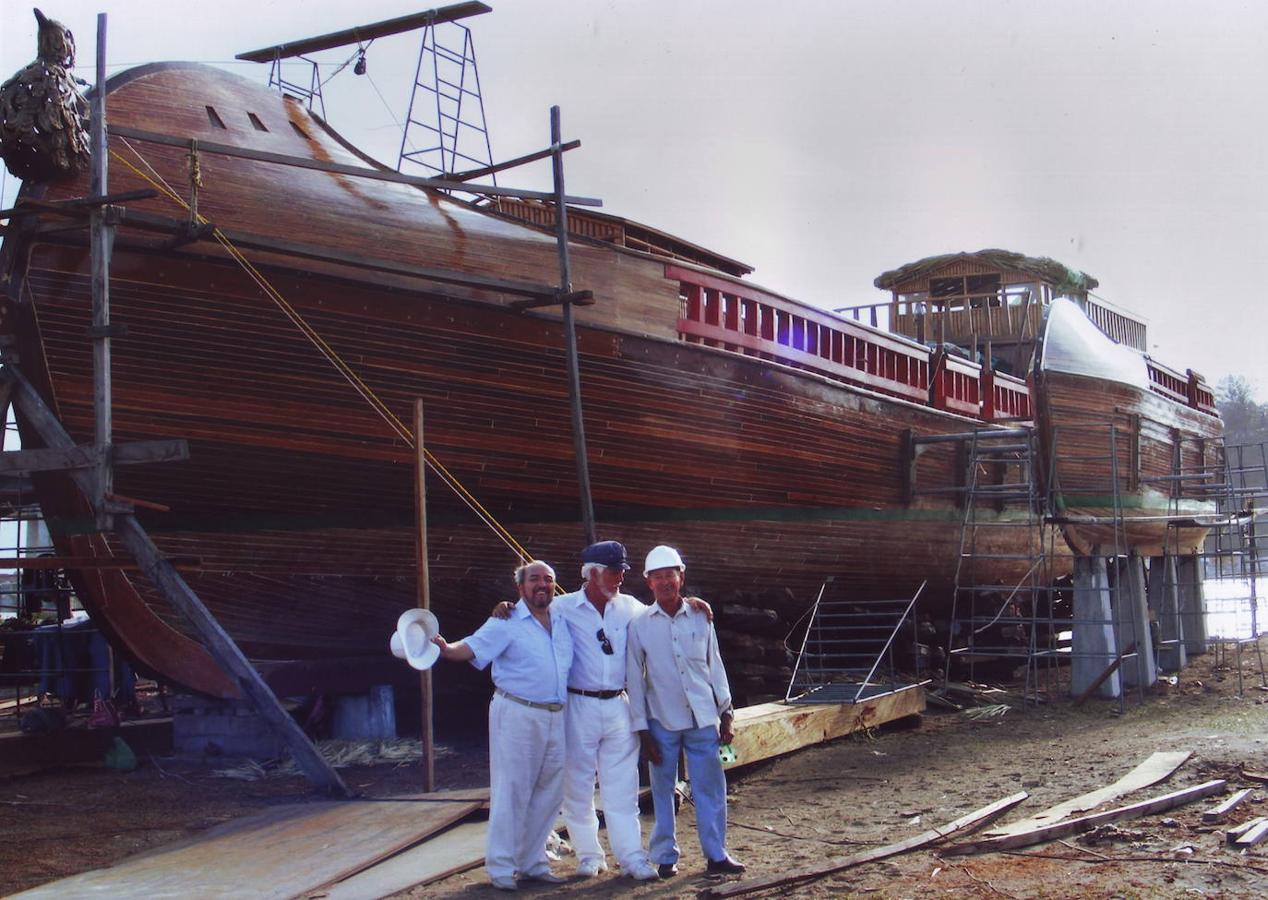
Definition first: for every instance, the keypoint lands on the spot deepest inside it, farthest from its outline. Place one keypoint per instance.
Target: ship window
(215, 120)
(982, 284)
(946, 287)
(255, 120)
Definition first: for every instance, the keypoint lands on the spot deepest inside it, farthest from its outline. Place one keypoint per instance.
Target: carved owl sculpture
(43, 117)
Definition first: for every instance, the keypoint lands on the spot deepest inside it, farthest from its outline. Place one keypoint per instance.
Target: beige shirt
(674, 671)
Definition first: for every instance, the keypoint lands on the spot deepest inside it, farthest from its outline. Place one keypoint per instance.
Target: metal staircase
(848, 652)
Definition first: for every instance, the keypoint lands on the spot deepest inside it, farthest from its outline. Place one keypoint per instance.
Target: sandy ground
(822, 803)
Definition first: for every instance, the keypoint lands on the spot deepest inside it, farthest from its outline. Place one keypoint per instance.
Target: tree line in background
(1245, 421)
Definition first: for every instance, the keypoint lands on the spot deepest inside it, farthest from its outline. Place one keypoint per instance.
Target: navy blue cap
(606, 553)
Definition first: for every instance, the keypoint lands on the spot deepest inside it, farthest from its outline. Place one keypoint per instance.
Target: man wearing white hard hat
(680, 700)
(531, 653)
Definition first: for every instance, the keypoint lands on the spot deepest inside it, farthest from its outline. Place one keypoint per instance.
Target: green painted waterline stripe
(380, 519)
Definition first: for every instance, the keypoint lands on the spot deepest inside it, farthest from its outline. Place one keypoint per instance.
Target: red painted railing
(720, 313)
(1004, 397)
(743, 319)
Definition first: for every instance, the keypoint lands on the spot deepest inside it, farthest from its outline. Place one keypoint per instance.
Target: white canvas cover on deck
(1073, 344)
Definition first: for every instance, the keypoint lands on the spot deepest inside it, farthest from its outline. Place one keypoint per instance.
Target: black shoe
(725, 866)
(667, 870)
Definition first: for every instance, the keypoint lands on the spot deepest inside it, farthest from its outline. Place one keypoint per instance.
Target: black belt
(602, 695)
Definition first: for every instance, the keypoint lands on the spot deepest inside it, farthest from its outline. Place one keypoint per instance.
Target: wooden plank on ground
(1232, 834)
(457, 849)
(1252, 835)
(1158, 767)
(933, 836)
(279, 854)
(1073, 826)
(773, 729)
(1220, 813)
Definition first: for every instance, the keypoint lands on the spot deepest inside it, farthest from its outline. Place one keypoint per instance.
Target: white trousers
(601, 743)
(526, 782)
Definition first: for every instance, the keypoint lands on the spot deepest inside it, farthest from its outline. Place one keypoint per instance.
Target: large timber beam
(182, 598)
(85, 456)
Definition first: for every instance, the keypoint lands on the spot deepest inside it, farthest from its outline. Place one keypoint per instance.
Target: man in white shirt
(531, 653)
(600, 740)
(680, 700)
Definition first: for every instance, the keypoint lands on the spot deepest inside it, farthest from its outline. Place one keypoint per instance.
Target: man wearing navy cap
(600, 741)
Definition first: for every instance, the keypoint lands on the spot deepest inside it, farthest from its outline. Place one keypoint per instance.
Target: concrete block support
(1131, 621)
(1093, 646)
(365, 717)
(1164, 600)
(1192, 604)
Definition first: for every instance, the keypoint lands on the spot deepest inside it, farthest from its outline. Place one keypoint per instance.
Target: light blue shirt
(528, 661)
(592, 669)
(674, 670)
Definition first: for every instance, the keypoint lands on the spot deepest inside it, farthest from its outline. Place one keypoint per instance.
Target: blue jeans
(708, 790)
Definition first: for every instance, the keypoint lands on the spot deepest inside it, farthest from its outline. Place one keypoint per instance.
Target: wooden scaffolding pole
(424, 594)
(570, 330)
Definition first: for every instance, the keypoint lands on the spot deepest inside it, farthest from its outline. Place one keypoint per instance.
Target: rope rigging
(367, 393)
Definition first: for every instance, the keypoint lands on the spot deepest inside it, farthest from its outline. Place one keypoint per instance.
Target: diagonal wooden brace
(182, 598)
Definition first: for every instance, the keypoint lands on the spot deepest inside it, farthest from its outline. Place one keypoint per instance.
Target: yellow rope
(366, 392)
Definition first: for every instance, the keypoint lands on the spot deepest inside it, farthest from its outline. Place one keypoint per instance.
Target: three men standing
(531, 653)
(680, 701)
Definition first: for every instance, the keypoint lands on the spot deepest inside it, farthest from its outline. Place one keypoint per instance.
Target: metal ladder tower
(445, 128)
(1235, 557)
(1001, 497)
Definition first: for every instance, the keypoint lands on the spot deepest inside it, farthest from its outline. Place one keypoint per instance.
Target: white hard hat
(662, 557)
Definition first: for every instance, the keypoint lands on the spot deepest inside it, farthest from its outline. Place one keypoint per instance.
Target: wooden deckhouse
(992, 303)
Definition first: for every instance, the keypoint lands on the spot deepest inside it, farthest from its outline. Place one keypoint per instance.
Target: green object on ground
(120, 756)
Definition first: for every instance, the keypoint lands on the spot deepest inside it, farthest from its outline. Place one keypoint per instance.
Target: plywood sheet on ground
(1156, 768)
(772, 729)
(454, 850)
(279, 854)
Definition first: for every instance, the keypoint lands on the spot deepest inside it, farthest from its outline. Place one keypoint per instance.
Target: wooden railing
(743, 319)
(1004, 397)
(1188, 388)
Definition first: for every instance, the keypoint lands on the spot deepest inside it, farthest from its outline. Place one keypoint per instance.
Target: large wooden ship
(771, 440)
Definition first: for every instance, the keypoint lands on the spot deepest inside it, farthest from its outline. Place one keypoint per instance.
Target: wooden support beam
(1251, 836)
(306, 162)
(182, 598)
(570, 333)
(512, 163)
(773, 729)
(1100, 679)
(1220, 813)
(580, 298)
(222, 647)
(1084, 823)
(924, 839)
(363, 34)
(84, 456)
(76, 206)
(1158, 767)
(89, 562)
(424, 591)
(1232, 834)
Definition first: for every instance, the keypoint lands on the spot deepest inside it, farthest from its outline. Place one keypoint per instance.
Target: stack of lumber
(751, 639)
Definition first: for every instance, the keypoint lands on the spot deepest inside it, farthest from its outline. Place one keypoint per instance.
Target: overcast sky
(836, 140)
